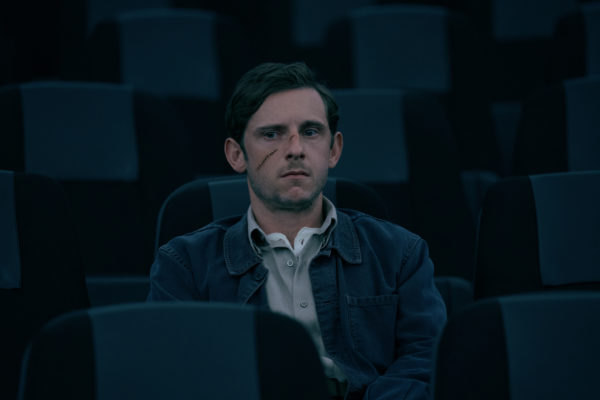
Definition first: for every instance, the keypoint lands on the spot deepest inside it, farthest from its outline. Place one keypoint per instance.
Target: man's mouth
(295, 173)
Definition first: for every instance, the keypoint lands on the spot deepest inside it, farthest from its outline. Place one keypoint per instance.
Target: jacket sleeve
(421, 316)
(171, 277)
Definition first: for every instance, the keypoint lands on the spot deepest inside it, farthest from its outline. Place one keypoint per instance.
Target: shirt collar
(240, 257)
(258, 238)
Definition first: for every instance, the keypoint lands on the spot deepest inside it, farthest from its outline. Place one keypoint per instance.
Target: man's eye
(311, 132)
(270, 134)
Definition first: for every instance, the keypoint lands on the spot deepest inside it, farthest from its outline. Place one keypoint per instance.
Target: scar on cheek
(265, 159)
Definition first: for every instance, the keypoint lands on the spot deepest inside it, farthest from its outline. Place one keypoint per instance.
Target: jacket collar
(240, 256)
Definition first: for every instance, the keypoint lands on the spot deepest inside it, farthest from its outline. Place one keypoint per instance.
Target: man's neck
(288, 222)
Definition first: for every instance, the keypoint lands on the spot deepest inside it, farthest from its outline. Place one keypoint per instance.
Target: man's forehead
(300, 104)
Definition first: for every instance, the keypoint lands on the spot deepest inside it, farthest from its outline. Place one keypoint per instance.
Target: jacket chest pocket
(373, 327)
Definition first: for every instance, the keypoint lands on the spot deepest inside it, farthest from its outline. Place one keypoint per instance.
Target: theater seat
(539, 232)
(535, 346)
(108, 290)
(117, 152)
(558, 131)
(576, 44)
(41, 271)
(190, 57)
(78, 18)
(427, 49)
(401, 144)
(457, 292)
(519, 34)
(182, 350)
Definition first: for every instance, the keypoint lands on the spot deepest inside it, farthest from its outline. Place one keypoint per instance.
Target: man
(363, 287)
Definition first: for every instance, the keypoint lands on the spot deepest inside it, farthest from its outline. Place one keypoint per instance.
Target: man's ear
(336, 149)
(235, 155)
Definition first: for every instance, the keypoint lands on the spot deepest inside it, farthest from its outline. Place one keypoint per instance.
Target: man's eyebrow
(274, 127)
(283, 128)
(314, 124)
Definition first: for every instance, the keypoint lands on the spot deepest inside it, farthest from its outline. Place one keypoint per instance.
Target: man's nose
(295, 147)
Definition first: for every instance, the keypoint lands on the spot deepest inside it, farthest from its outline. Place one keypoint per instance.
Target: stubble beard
(275, 201)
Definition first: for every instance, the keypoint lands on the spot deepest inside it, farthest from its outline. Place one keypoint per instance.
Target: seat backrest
(389, 32)
(535, 346)
(141, 46)
(41, 272)
(456, 292)
(511, 20)
(190, 57)
(591, 15)
(8, 58)
(428, 49)
(401, 144)
(179, 350)
(520, 42)
(108, 146)
(107, 290)
(539, 232)
(301, 25)
(87, 14)
(202, 201)
(559, 127)
(576, 44)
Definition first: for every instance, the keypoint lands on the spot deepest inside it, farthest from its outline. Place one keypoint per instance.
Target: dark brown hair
(264, 80)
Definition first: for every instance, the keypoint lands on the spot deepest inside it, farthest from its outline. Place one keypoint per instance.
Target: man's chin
(297, 202)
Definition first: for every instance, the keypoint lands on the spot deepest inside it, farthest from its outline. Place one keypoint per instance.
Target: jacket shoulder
(207, 237)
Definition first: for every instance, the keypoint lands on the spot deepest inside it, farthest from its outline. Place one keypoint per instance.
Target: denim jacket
(377, 306)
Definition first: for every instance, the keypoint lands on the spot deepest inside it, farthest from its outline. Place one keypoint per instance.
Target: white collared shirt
(288, 286)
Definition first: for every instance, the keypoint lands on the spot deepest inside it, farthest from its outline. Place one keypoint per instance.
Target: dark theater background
(473, 123)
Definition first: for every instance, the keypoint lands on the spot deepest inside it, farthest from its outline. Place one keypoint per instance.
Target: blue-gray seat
(117, 152)
(190, 57)
(79, 18)
(457, 292)
(8, 58)
(559, 128)
(519, 44)
(540, 232)
(428, 49)
(117, 289)
(533, 346)
(401, 144)
(175, 350)
(168, 51)
(576, 44)
(41, 273)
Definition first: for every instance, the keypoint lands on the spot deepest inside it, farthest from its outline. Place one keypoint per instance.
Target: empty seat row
(526, 346)
(193, 56)
(531, 226)
(518, 213)
(183, 350)
(517, 30)
(42, 275)
(119, 153)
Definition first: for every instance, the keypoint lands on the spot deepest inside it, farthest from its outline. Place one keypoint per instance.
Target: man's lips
(294, 173)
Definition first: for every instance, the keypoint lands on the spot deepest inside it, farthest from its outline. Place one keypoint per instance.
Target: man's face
(288, 150)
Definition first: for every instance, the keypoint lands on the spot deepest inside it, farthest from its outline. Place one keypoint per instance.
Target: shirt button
(290, 263)
(303, 304)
